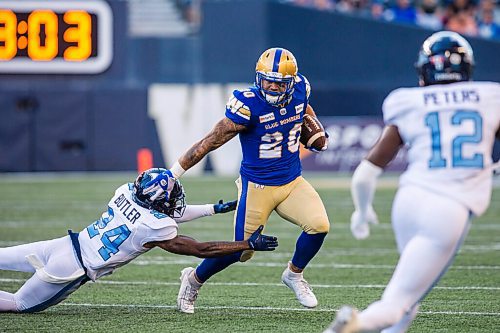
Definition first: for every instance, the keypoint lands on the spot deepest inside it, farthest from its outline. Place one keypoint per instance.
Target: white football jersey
(450, 131)
(120, 234)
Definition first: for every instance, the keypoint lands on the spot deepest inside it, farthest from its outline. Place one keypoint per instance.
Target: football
(312, 133)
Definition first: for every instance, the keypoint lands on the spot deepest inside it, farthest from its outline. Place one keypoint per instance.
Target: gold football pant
(297, 202)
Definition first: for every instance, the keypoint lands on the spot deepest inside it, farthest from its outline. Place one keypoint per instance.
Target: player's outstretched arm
(222, 132)
(364, 180)
(189, 246)
(193, 212)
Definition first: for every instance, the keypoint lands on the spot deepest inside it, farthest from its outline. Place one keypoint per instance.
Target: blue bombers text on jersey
(270, 145)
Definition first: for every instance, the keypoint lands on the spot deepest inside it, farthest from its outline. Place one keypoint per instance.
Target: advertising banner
(350, 140)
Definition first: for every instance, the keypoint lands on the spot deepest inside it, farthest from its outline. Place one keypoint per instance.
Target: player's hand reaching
(259, 242)
(360, 223)
(164, 182)
(224, 207)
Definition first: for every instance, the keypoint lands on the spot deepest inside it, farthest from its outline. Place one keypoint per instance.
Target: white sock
(7, 302)
(194, 281)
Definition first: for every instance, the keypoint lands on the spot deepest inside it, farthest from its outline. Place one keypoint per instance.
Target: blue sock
(212, 266)
(306, 248)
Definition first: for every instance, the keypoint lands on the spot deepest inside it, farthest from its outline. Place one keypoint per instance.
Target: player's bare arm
(386, 148)
(222, 132)
(190, 246)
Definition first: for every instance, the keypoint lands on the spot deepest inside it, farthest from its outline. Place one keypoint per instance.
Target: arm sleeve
(196, 211)
(364, 182)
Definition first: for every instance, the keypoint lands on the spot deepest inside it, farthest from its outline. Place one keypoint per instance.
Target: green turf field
(141, 296)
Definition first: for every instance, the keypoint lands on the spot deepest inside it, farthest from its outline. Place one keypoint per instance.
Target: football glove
(259, 242)
(164, 182)
(222, 207)
(360, 225)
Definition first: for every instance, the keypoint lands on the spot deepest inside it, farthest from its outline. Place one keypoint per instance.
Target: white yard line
(265, 308)
(255, 284)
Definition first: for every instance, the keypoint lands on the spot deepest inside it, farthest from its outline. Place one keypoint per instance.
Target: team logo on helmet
(171, 202)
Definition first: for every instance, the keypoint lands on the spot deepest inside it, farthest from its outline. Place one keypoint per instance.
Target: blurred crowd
(479, 18)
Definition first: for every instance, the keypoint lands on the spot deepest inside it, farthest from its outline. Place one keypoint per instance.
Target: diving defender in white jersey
(449, 125)
(137, 219)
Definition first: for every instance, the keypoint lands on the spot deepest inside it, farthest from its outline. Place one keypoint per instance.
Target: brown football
(312, 133)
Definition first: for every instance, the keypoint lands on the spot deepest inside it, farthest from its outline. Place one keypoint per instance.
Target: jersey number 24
(111, 239)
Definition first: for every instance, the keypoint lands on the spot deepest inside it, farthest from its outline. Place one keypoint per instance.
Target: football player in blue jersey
(268, 118)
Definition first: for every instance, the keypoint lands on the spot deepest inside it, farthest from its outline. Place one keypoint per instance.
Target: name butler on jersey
(127, 226)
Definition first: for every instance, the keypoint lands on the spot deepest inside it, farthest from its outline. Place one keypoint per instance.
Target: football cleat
(345, 322)
(188, 292)
(300, 287)
(276, 65)
(445, 57)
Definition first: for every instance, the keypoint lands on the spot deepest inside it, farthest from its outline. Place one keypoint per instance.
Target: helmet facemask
(175, 205)
(274, 97)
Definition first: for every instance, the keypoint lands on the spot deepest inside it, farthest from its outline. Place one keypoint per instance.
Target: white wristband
(177, 170)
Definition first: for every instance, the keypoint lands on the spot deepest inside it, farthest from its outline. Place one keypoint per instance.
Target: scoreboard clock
(55, 37)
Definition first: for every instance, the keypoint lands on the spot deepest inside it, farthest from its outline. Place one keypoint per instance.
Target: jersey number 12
(458, 160)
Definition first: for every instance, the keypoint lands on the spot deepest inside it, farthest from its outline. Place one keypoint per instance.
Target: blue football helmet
(445, 57)
(171, 202)
(276, 65)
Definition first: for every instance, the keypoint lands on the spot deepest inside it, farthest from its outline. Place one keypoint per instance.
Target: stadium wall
(99, 122)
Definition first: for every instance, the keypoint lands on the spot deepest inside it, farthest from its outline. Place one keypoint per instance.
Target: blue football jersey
(270, 145)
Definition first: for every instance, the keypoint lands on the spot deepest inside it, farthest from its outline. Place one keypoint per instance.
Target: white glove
(360, 225)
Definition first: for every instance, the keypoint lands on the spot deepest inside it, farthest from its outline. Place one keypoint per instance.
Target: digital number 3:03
(55, 36)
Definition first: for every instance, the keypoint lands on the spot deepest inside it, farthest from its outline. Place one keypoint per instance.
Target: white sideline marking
(253, 284)
(265, 308)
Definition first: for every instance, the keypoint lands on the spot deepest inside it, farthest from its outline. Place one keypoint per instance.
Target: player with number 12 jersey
(449, 124)
(449, 130)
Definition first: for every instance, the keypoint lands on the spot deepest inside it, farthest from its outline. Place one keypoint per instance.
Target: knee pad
(320, 226)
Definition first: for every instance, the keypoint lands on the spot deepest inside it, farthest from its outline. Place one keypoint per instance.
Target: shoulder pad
(396, 104)
(301, 79)
(238, 104)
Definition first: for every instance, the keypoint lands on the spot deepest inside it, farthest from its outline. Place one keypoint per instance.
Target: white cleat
(187, 292)
(300, 287)
(345, 322)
